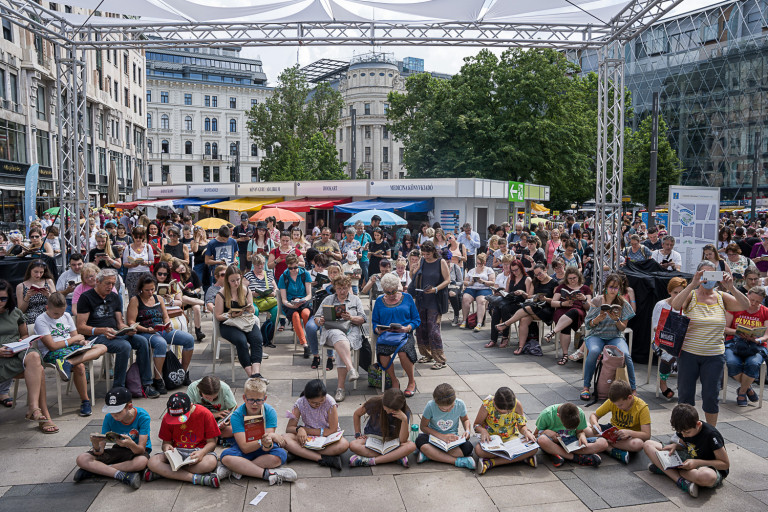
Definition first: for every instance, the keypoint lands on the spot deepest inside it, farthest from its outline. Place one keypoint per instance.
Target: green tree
(296, 125)
(637, 163)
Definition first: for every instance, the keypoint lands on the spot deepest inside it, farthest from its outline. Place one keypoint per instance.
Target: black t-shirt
(239, 231)
(177, 251)
(652, 246)
(92, 257)
(101, 311)
(746, 245)
(548, 289)
(704, 444)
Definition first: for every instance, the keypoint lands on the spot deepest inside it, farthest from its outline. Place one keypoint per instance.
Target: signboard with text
(267, 189)
(412, 188)
(693, 221)
(341, 188)
(209, 190)
(516, 192)
(168, 191)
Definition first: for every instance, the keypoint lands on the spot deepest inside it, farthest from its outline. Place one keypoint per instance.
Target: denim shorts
(485, 292)
(236, 452)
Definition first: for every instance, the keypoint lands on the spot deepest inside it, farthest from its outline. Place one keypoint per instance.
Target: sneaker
(557, 461)
(65, 369)
(532, 461)
(223, 471)
(340, 395)
(653, 468)
(353, 375)
(330, 461)
(358, 461)
(463, 325)
(150, 392)
(587, 460)
(150, 476)
(476, 329)
(483, 465)
(455, 321)
(465, 462)
(85, 408)
(260, 376)
(280, 475)
(81, 474)
(404, 462)
(421, 458)
(264, 355)
(306, 351)
(620, 455)
(159, 385)
(689, 487)
(132, 480)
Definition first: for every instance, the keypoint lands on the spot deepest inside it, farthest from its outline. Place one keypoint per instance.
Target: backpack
(267, 331)
(173, 373)
(133, 381)
(471, 321)
(607, 363)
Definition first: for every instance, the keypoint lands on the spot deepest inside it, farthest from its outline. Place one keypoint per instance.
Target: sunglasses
(3, 299)
(391, 293)
(293, 268)
(34, 236)
(162, 274)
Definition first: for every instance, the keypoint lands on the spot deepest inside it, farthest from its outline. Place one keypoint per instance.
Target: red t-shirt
(751, 320)
(200, 427)
(281, 266)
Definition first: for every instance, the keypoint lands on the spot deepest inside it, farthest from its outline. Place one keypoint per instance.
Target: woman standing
(298, 240)
(723, 239)
(34, 291)
(517, 285)
(155, 240)
(553, 244)
(432, 277)
(406, 246)
(137, 258)
(378, 250)
(458, 251)
(261, 243)
(198, 247)
(191, 293)
(666, 360)
(702, 356)
(570, 303)
(362, 236)
(173, 245)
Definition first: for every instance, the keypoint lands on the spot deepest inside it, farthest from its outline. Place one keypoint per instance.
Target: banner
(693, 221)
(30, 195)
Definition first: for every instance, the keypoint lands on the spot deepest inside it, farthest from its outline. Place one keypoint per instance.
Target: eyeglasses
(255, 401)
(173, 234)
(4, 299)
(221, 274)
(293, 268)
(390, 293)
(34, 236)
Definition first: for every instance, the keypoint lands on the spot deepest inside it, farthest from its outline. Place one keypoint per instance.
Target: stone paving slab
(621, 488)
(61, 497)
(439, 491)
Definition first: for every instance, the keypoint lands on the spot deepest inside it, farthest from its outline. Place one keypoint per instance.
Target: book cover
(82, 349)
(126, 329)
(753, 332)
(669, 461)
(255, 427)
(570, 444)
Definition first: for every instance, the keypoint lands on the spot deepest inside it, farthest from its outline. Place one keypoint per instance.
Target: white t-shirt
(486, 275)
(59, 329)
(65, 278)
(501, 281)
(674, 256)
(147, 255)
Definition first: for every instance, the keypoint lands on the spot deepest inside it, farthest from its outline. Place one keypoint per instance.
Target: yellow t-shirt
(503, 425)
(633, 419)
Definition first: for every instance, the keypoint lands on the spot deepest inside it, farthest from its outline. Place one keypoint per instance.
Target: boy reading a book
(189, 431)
(388, 421)
(260, 457)
(60, 340)
(565, 424)
(129, 455)
(630, 417)
(700, 447)
(440, 422)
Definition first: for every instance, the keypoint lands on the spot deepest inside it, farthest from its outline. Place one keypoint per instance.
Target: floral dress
(503, 425)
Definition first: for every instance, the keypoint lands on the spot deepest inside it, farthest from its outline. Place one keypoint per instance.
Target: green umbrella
(55, 211)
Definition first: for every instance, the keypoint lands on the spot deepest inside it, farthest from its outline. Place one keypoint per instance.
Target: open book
(750, 332)
(322, 279)
(109, 436)
(163, 327)
(254, 427)
(500, 291)
(21, 345)
(176, 460)
(135, 261)
(611, 308)
(225, 419)
(667, 460)
(377, 444)
(566, 294)
(446, 446)
(610, 434)
(80, 350)
(393, 327)
(260, 294)
(511, 449)
(320, 442)
(126, 329)
(163, 288)
(570, 444)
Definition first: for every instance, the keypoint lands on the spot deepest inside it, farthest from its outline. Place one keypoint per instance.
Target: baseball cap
(351, 256)
(179, 406)
(243, 216)
(116, 400)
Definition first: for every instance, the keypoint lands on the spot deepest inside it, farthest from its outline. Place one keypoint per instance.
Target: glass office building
(710, 68)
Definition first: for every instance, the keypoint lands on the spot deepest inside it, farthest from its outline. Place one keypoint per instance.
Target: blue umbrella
(387, 218)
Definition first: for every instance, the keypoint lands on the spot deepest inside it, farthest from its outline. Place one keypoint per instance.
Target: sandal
(32, 416)
(576, 356)
(518, 351)
(280, 328)
(584, 395)
(425, 360)
(563, 360)
(668, 393)
(8, 402)
(491, 344)
(48, 427)
(549, 337)
(329, 364)
(315, 362)
(438, 366)
(410, 392)
(504, 343)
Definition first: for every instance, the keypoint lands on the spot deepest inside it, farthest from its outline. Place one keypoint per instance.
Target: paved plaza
(37, 468)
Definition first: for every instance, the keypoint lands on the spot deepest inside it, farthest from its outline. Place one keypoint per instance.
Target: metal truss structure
(73, 40)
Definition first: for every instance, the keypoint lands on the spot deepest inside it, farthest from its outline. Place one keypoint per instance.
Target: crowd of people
(150, 285)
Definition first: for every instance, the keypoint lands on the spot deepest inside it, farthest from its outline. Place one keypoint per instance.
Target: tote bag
(671, 335)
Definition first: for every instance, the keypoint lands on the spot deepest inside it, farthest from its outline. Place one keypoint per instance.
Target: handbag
(392, 339)
(173, 373)
(244, 322)
(743, 348)
(265, 303)
(671, 335)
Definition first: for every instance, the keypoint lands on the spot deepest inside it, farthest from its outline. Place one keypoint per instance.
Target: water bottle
(414, 432)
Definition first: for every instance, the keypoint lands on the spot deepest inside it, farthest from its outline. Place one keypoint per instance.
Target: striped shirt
(706, 328)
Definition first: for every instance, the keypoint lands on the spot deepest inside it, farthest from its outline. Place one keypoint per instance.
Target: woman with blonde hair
(103, 255)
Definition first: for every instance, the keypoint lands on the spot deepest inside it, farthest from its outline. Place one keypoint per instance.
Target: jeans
(312, 330)
(750, 366)
(160, 341)
(69, 305)
(248, 344)
(121, 347)
(707, 369)
(595, 348)
(199, 269)
(364, 275)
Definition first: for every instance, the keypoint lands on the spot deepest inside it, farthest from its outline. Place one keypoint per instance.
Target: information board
(693, 221)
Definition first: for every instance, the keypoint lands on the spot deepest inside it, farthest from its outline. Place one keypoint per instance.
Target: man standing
(222, 250)
(653, 242)
(326, 245)
(99, 315)
(667, 257)
(471, 240)
(243, 233)
(69, 279)
(514, 237)
(570, 224)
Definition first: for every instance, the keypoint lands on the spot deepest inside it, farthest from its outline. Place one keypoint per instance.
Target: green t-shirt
(9, 325)
(549, 420)
(224, 402)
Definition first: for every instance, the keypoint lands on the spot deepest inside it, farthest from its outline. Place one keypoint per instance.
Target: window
(127, 96)
(149, 96)
(163, 97)
(40, 103)
(150, 174)
(206, 174)
(207, 101)
(188, 173)
(117, 92)
(214, 125)
(215, 101)
(139, 76)
(385, 156)
(43, 148)
(232, 102)
(385, 132)
(207, 148)
(367, 154)
(216, 177)
(127, 135)
(125, 63)
(233, 174)
(165, 123)
(139, 106)
(233, 149)
(215, 150)
(188, 123)
(135, 104)
(254, 102)
(367, 132)
(165, 147)
(101, 127)
(166, 171)
(207, 124)
(188, 147)
(7, 30)
(134, 72)
(149, 145)
(187, 98)
(341, 155)
(149, 121)
(367, 108)
(341, 134)
(400, 156)
(232, 125)
(254, 174)
(386, 108)
(254, 150)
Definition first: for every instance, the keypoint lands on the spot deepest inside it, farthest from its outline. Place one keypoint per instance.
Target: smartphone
(712, 275)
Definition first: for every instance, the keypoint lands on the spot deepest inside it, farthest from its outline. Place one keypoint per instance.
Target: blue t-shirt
(222, 250)
(139, 427)
(237, 421)
(297, 288)
(445, 422)
(365, 238)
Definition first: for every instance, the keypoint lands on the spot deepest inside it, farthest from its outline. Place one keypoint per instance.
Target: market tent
(130, 205)
(244, 204)
(304, 205)
(414, 205)
(538, 208)
(192, 201)
(159, 203)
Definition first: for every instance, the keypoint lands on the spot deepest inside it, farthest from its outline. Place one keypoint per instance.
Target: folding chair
(355, 362)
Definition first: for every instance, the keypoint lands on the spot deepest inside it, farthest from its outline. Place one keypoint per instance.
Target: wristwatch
(357, 434)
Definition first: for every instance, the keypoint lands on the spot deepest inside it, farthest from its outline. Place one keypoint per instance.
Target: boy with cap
(130, 453)
(192, 431)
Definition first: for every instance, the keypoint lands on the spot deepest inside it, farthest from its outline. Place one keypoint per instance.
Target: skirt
(409, 349)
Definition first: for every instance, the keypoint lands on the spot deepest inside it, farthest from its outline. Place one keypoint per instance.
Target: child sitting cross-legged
(568, 423)
(259, 458)
(700, 447)
(441, 419)
(129, 455)
(629, 414)
(386, 413)
(320, 417)
(501, 415)
(192, 431)
(217, 397)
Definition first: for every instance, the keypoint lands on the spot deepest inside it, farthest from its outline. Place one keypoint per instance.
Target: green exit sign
(516, 192)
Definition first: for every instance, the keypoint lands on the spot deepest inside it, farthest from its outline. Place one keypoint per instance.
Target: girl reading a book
(319, 416)
(34, 291)
(103, 255)
(440, 440)
(191, 292)
(502, 415)
(387, 413)
(136, 258)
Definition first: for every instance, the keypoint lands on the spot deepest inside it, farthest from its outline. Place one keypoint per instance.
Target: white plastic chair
(216, 347)
(763, 370)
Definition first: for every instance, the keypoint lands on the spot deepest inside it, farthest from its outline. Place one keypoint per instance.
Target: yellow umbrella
(212, 223)
(538, 220)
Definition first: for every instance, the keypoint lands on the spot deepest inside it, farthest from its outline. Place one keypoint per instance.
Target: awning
(130, 205)
(192, 201)
(159, 203)
(304, 205)
(415, 205)
(244, 204)
(538, 208)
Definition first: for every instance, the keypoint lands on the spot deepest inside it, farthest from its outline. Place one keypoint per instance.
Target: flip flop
(668, 393)
(584, 395)
(409, 392)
